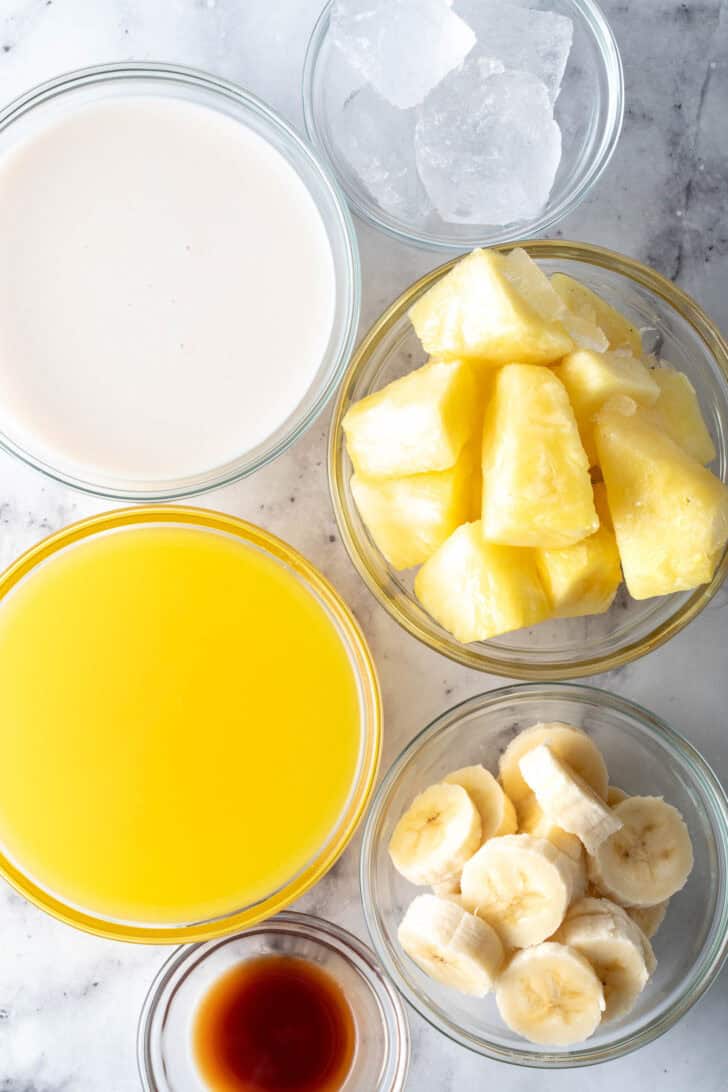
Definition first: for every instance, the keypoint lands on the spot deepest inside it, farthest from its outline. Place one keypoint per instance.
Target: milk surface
(166, 290)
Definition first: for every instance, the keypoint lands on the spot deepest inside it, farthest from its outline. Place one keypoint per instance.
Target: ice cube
(402, 47)
(487, 145)
(538, 42)
(377, 141)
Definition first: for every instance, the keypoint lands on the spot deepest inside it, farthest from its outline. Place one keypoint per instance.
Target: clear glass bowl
(675, 326)
(644, 756)
(370, 727)
(166, 1062)
(589, 110)
(52, 99)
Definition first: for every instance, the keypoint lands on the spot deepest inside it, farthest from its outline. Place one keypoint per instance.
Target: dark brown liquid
(274, 1024)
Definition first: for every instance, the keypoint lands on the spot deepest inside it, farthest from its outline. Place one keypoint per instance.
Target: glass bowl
(381, 1056)
(370, 720)
(674, 326)
(50, 100)
(644, 756)
(589, 110)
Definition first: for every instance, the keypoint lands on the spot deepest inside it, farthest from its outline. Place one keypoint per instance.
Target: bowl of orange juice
(191, 724)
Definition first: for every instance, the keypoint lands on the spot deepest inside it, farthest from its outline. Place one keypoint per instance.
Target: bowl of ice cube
(464, 123)
(528, 460)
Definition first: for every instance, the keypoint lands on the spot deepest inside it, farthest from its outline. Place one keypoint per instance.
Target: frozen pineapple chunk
(533, 284)
(583, 578)
(593, 378)
(476, 589)
(536, 485)
(416, 424)
(475, 312)
(677, 412)
(582, 301)
(670, 514)
(408, 518)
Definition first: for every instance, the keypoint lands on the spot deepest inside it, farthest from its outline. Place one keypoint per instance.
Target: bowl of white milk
(179, 291)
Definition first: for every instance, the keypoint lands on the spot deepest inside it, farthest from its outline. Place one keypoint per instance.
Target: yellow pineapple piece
(583, 578)
(416, 424)
(670, 514)
(677, 412)
(582, 301)
(591, 379)
(475, 312)
(408, 518)
(476, 589)
(533, 284)
(536, 485)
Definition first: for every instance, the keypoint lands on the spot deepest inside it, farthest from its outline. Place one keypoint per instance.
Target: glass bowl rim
(610, 55)
(391, 1009)
(587, 253)
(712, 796)
(370, 726)
(349, 303)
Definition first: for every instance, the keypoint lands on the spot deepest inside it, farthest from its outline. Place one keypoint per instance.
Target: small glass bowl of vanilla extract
(295, 1004)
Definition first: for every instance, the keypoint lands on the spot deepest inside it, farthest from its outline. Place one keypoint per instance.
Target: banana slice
(533, 820)
(550, 994)
(599, 906)
(613, 946)
(649, 859)
(567, 799)
(451, 886)
(436, 835)
(649, 918)
(615, 796)
(451, 945)
(520, 885)
(572, 745)
(497, 814)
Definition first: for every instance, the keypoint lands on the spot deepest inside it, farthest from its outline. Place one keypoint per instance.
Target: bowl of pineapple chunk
(543, 875)
(528, 460)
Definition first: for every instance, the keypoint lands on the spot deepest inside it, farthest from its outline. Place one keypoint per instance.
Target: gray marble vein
(69, 1002)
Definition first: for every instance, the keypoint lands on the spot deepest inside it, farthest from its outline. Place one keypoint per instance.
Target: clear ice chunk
(487, 145)
(377, 141)
(538, 42)
(403, 48)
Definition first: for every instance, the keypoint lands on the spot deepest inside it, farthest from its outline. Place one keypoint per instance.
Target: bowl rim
(713, 797)
(348, 302)
(602, 34)
(370, 726)
(175, 969)
(469, 655)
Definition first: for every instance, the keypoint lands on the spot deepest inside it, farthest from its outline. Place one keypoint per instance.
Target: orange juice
(180, 725)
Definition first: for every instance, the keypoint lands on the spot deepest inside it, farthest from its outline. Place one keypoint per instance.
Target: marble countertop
(69, 1002)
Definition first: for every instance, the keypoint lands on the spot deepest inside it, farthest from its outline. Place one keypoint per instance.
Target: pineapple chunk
(536, 485)
(583, 578)
(416, 424)
(477, 590)
(408, 518)
(582, 301)
(534, 286)
(670, 514)
(677, 412)
(475, 312)
(592, 378)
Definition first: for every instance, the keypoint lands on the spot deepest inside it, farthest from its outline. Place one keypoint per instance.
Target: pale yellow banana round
(598, 906)
(436, 835)
(614, 948)
(570, 744)
(497, 814)
(451, 945)
(649, 859)
(533, 820)
(521, 885)
(551, 995)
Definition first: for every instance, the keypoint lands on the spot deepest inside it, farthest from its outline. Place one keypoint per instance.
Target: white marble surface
(68, 1002)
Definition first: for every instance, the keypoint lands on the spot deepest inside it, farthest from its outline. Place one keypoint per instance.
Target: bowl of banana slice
(544, 875)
